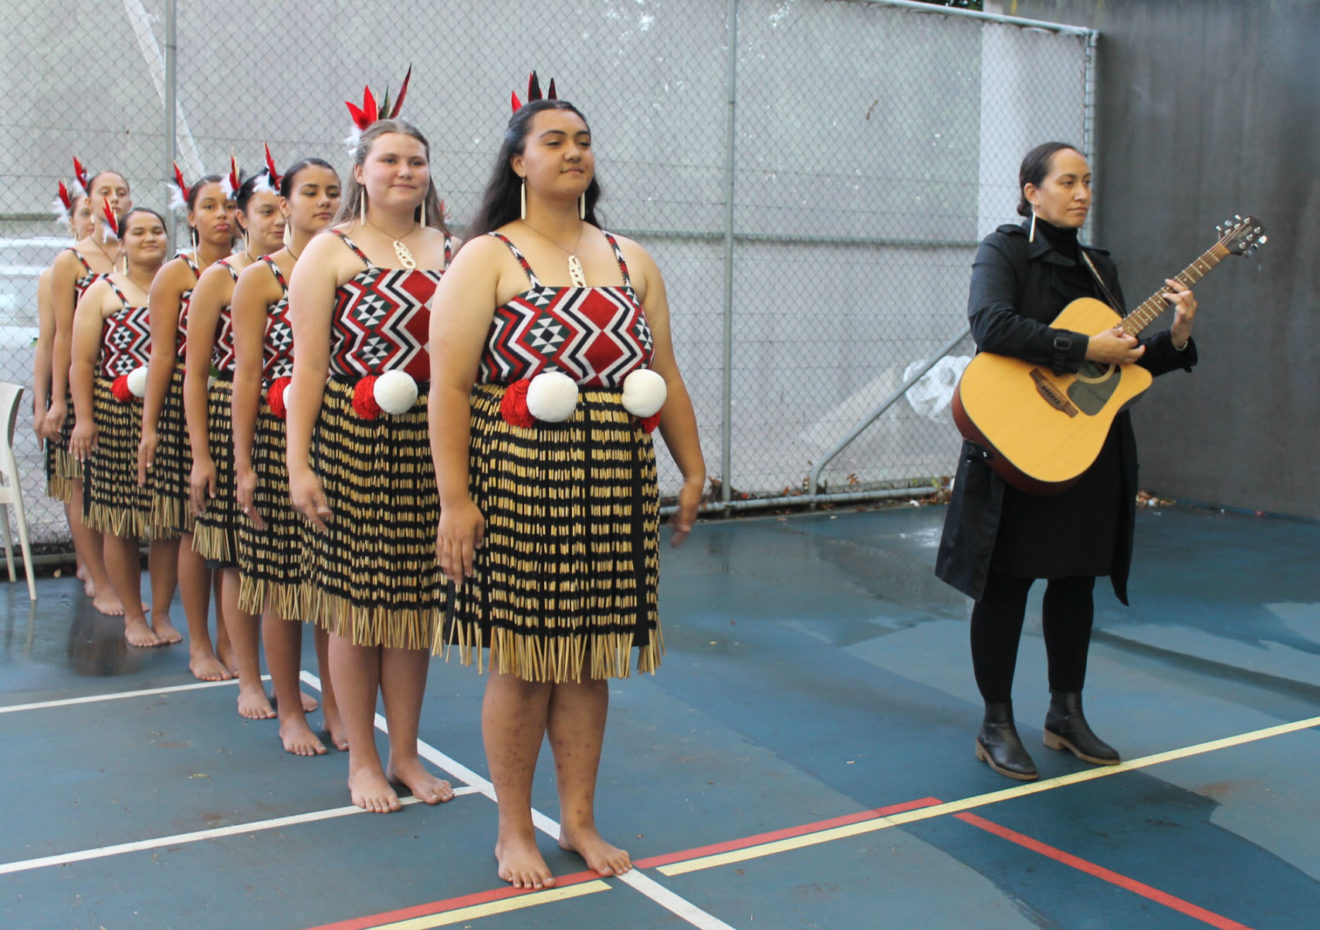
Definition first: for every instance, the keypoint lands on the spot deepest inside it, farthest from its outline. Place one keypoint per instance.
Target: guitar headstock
(1240, 235)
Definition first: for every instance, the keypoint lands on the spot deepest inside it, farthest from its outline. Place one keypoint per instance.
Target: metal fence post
(731, 126)
(171, 107)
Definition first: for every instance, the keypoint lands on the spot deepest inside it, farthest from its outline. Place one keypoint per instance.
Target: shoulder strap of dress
(353, 246)
(531, 275)
(82, 261)
(449, 250)
(618, 255)
(224, 263)
(275, 270)
(123, 298)
(191, 261)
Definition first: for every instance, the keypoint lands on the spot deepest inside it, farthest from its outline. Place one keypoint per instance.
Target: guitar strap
(1104, 289)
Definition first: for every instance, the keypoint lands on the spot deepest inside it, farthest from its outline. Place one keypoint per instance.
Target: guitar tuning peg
(1238, 217)
(1262, 240)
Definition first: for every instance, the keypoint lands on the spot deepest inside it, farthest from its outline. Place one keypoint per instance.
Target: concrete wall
(1210, 108)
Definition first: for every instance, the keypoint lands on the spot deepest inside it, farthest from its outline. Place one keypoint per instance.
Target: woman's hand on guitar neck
(1184, 310)
(1114, 347)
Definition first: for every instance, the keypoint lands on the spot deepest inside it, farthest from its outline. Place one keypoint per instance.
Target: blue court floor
(803, 758)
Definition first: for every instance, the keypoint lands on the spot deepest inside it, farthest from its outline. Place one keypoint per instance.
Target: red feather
(359, 118)
(233, 173)
(178, 179)
(110, 219)
(552, 95)
(370, 109)
(270, 168)
(533, 87)
(517, 104)
(80, 173)
(403, 91)
(65, 198)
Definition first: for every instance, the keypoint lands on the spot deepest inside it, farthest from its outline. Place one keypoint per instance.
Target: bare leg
(334, 723)
(121, 555)
(224, 649)
(163, 567)
(402, 684)
(356, 672)
(245, 637)
(576, 725)
(88, 546)
(513, 723)
(195, 588)
(283, 642)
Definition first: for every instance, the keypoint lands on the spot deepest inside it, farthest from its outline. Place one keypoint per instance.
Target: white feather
(177, 200)
(352, 139)
(61, 213)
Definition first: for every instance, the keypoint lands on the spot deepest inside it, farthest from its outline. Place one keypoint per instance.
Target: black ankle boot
(998, 745)
(1066, 728)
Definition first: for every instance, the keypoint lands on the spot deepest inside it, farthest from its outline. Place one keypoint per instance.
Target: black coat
(1013, 298)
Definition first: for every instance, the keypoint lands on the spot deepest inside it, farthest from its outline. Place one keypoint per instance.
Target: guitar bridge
(1051, 394)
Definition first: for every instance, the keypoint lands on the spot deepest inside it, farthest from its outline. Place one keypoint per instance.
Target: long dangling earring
(362, 207)
(288, 232)
(582, 206)
(194, 238)
(1032, 237)
(126, 264)
(424, 211)
(522, 199)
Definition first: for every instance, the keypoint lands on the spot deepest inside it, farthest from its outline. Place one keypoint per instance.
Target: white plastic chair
(11, 492)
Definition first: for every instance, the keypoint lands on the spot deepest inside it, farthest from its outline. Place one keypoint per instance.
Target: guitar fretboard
(1155, 304)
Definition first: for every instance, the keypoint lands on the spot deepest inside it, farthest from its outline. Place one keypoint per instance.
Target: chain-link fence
(865, 147)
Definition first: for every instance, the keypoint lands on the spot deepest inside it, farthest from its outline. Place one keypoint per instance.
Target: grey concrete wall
(1210, 108)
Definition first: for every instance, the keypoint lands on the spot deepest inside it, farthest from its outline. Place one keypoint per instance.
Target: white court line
(181, 839)
(121, 695)
(647, 886)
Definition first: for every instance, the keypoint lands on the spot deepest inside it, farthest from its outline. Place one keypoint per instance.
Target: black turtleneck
(1070, 282)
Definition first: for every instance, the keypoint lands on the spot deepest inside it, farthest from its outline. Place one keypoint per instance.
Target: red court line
(786, 833)
(451, 904)
(1114, 878)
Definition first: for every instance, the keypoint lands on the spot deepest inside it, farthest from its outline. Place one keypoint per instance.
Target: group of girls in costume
(345, 419)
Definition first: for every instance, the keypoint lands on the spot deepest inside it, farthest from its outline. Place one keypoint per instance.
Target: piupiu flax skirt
(215, 531)
(65, 469)
(171, 469)
(373, 577)
(57, 487)
(268, 560)
(113, 500)
(565, 582)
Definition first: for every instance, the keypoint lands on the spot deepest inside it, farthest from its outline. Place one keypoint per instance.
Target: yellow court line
(980, 800)
(502, 906)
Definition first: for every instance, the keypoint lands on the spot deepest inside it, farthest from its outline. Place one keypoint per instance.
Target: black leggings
(997, 627)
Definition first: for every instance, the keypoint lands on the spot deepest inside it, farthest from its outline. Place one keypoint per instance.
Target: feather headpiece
(62, 206)
(533, 92)
(111, 221)
(370, 111)
(81, 182)
(269, 179)
(230, 184)
(179, 190)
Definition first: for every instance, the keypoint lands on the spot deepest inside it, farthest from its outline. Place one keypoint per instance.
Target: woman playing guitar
(997, 540)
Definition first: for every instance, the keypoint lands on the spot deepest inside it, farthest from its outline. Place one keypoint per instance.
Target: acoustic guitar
(1043, 430)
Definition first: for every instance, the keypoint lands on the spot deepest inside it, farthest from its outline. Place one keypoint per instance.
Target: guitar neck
(1155, 304)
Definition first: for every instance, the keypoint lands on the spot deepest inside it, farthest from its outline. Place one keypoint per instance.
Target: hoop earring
(362, 207)
(582, 206)
(522, 199)
(1032, 237)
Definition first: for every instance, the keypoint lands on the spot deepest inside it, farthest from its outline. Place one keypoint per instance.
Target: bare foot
(89, 589)
(371, 791)
(138, 633)
(206, 667)
(299, 739)
(166, 632)
(108, 603)
(601, 856)
(253, 703)
(334, 726)
(80, 572)
(521, 863)
(309, 703)
(423, 785)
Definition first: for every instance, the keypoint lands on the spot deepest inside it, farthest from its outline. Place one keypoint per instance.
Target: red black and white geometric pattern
(81, 285)
(125, 339)
(595, 335)
(277, 346)
(222, 353)
(381, 322)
